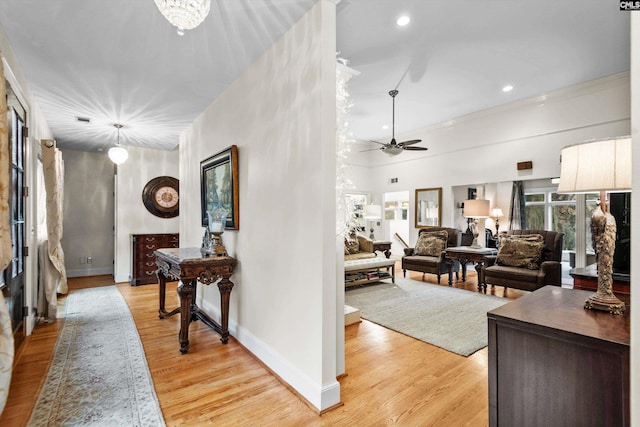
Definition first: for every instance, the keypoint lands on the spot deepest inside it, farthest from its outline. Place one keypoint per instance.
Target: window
(548, 210)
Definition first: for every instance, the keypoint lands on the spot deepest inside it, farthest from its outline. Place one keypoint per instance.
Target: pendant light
(184, 14)
(118, 154)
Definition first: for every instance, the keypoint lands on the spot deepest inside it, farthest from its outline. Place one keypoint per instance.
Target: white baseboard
(321, 396)
(90, 272)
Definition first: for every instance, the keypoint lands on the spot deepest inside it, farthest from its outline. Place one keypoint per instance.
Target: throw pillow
(353, 247)
(524, 251)
(431, 243)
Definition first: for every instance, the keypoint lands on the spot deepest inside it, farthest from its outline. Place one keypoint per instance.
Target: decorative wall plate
(161, 196)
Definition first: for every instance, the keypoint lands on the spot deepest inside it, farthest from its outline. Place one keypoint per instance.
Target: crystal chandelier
(184, 14)
(118, 154)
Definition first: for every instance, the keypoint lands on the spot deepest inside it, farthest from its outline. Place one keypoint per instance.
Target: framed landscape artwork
(219, 186)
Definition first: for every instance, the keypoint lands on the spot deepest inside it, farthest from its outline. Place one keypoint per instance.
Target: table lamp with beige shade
(599, 166)
(476, 209)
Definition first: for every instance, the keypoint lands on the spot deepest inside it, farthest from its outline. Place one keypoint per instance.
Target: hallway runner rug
(99, 374)
(450, 318)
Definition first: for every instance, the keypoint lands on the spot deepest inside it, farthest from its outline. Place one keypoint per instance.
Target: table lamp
(599, 166)
(497, 214)
(476, 209)
(372, 213)
(217, 222)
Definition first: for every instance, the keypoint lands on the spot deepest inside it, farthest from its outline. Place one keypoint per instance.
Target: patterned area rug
(99, 374)
(450, 318)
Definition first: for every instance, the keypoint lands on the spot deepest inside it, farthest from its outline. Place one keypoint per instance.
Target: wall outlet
(82, 260)
(89, 260)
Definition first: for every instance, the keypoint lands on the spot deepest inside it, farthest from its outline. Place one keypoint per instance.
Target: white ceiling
(121, 61)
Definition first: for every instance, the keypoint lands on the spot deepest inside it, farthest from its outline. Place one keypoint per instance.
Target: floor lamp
(372, 213)
(476, 209)
(599, 166)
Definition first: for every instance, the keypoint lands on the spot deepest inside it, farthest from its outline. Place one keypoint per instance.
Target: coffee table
(369, 270)
(465, 254)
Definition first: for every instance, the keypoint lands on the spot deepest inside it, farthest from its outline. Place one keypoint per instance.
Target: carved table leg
(387, 253)
(185, 292)
(224, 286)
(463, 263)
(162, 281)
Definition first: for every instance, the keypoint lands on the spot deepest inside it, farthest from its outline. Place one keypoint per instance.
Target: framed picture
(219, 186)
(471, 193)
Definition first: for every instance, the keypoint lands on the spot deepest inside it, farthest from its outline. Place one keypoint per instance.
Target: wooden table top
(563, 309)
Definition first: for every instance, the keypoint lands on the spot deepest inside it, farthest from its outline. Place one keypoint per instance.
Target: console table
(465, 254)
(551, 362)
(189, 267)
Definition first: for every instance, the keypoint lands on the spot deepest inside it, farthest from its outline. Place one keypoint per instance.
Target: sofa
(432, 260)
(358, 247)
(526, 260)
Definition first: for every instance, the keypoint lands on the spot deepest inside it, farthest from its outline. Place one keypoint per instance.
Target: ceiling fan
(394, 148)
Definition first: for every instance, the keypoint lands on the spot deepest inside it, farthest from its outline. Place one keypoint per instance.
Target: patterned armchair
(525, 262)
(430, 260)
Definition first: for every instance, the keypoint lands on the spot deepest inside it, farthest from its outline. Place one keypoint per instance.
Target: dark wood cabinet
(553, 363)
(143, 246)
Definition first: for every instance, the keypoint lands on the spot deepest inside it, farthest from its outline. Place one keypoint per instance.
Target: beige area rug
(99, 374)
(450, 318)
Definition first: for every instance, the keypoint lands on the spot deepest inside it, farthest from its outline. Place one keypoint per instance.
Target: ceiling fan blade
(381, 143)
(416, 148)
(372, 149)
(413, 141)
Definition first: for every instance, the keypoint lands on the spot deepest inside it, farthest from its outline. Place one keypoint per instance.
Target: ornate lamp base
(218, 247)
(605, 303)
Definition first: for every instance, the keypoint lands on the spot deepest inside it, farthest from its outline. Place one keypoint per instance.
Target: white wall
(38, 129)
(88, 213)
(635, 217)
(131, 215)
(484, 147)
(281, 115)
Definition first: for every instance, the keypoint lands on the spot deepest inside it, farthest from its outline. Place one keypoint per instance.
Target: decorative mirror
(428, 207)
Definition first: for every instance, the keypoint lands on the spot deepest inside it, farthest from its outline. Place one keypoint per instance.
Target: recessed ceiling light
(507, 88)
(385, 127)
(403, 21)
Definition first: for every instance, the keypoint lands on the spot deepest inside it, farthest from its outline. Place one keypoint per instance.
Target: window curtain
(517, 213)
(6, 251)
(55, 274)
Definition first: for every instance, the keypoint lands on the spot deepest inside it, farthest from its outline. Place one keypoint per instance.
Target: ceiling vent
(83, 119)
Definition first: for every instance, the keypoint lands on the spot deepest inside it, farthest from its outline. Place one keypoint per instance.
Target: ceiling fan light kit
(184, 14)
(394, 148)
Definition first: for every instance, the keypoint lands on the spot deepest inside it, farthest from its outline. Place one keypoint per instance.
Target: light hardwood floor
(391, 379)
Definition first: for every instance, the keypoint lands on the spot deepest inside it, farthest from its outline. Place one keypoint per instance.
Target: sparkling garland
(344, 217)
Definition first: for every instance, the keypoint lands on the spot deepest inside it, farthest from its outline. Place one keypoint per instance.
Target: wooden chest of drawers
(143, 267)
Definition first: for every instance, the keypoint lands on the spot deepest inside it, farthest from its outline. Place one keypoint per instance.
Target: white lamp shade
(118, 155)
(476, 208)
(496, 213)
(372, 212)
(596, 166)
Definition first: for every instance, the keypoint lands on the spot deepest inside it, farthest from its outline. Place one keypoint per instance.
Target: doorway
(396, 218)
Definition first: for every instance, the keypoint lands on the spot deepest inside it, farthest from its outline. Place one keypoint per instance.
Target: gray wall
(88, 213)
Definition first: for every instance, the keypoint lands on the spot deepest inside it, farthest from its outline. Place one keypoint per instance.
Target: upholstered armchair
(430, 259)
(525, 261)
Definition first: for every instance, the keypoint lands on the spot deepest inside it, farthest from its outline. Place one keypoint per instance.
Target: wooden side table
(189, 267)
(382, 246)
(465, 254)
